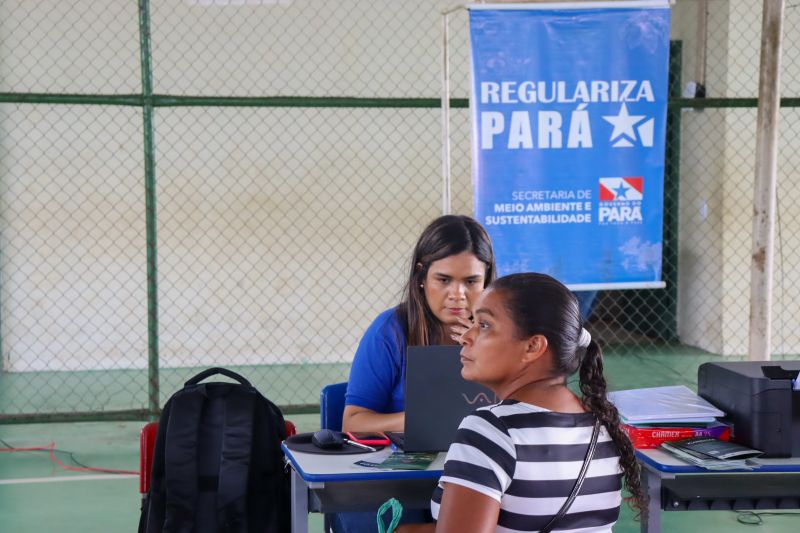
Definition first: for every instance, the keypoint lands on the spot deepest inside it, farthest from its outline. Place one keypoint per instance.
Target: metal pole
(702, 49)
(446, 177)
(150, 210)
(765, 182)
(447, 182)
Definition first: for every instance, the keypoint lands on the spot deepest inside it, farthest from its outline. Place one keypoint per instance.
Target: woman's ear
(418, 267)
(535, 347)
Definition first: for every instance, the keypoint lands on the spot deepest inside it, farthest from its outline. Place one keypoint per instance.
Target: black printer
(759, 400)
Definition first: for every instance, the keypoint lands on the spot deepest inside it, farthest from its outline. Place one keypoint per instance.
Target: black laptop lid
(437, 397)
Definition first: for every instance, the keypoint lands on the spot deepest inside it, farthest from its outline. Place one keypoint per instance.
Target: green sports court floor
(38, 496)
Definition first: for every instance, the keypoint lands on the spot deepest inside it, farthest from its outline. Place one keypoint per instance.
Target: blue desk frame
(774, 484)
(332, 483)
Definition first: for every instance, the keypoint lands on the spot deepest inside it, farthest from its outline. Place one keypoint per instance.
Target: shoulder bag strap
(578, 482)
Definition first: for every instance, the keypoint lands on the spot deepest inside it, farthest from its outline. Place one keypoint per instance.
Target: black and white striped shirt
(528, 459)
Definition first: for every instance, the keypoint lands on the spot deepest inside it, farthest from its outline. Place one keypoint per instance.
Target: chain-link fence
(297, 155)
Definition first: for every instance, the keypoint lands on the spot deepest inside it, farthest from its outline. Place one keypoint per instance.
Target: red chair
(147, 444)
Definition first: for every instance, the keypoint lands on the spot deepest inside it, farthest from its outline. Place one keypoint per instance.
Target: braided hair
(540, 304)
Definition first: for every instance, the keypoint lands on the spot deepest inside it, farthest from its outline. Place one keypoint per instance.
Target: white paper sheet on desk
(676, 403)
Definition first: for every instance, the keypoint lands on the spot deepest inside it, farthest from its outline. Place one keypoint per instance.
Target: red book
(652, 437)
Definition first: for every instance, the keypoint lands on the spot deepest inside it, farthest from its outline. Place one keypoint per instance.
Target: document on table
(402, 461)
(651, 405)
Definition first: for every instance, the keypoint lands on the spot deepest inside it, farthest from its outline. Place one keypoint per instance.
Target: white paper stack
(663, 405)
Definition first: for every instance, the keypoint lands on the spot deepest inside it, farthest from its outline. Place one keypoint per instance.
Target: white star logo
(623, 126)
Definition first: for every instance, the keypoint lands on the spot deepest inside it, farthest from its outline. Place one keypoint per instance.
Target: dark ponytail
(593, 387)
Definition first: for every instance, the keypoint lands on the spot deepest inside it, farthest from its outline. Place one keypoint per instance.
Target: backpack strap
(213, 372)
(152, 517)
(180, 461)
(234, 465)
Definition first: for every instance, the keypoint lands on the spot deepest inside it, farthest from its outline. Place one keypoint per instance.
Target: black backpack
(217, 464)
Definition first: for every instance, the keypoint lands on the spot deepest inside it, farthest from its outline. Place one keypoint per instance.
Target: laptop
(437, 398)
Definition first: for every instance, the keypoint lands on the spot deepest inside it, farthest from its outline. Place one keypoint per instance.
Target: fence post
(446, 179)
(765, 182)
(150, 210)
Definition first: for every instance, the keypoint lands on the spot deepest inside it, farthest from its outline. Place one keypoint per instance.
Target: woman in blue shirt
(451, 264)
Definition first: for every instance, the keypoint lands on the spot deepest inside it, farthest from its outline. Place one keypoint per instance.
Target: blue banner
(569, 119)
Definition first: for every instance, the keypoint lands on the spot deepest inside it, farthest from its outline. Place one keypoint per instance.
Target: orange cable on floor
(51, 448)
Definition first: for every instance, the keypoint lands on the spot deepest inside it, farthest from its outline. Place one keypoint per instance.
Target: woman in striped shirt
(513, 465)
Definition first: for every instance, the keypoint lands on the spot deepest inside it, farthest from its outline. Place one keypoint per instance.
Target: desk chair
(331, 406)
(147, 445)
(331, 409)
